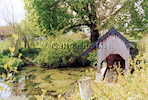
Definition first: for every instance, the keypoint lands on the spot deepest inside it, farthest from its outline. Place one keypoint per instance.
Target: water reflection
(6, 93)
(14, 88)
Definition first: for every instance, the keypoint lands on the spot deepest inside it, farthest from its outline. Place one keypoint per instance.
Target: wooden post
(99, 76)
(98, 60)
(103, 69)
(126, 66)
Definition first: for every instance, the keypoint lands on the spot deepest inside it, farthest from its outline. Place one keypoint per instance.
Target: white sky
(6, 9)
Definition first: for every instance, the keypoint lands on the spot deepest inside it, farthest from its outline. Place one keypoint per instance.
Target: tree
(135, 19)
(102, 14)
(99, 15)
(49, 14)
(25, 31)
(28, 33)
(8, 16)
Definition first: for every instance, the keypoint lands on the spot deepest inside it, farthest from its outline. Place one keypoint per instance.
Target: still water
(11, 90)
(30, 81)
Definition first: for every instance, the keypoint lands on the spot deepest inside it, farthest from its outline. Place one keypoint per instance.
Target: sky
(9, 8)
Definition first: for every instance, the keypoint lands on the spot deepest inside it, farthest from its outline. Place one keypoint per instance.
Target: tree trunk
(94, 33)
(26, 42)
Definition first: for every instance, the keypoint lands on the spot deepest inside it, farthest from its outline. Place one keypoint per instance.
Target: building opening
(108, 66)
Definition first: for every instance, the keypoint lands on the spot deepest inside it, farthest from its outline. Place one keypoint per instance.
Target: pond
(31, 81)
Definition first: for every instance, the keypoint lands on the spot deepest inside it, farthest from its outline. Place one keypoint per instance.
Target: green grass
(4, 45)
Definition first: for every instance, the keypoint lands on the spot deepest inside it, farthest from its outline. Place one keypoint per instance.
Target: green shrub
(62, 52)
(143, 44)
(92, 57)
(3, 60)
(134, 51)
(21, 63)
(31, 54)
(6, 52)
(1, 56)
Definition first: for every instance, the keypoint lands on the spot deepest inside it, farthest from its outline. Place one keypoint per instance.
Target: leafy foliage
(48, 14)
(98, 15)
(26, 53)
(134, 19)
(92, 57)
(143, 44)
(62, 52)
(9, 69)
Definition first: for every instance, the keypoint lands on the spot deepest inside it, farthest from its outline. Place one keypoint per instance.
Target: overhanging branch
(87, 24)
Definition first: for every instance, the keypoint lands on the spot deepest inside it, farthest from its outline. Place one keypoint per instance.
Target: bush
(3, 60)
(6, 52)
(1, 56)
(62, 52)
(31, 54)
(21, 63)
(92, 57)
(134, 51)
(143, 44)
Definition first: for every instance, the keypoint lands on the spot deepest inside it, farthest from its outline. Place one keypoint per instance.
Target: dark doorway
(115, 58)
(111, 60)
